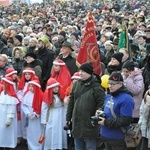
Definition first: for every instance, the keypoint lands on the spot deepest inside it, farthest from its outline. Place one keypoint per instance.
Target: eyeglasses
(113, 83)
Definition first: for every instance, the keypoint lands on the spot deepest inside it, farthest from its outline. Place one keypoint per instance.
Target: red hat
(76, 76)
(9, 86)
(22, 80)
(59, 62)
(38, 95)
(48, 94)
(10, 71)
(63, 76)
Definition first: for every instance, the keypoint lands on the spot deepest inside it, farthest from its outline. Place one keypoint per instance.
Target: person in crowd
(61, 39)
(8, 115)
(61, 73)
(109, 50)
(32, 45)
(115, 63)
(133, 81)
(47, 58)
(52, 109)
(28, 74)
(3, 65)
(3, 48)
(18, 59)
(144, 121)
(126, 55)
(66, 54)
(31, 106)
(18, 40)
(32, 62)
(11, 72)
(6, 34)
(87, 95)
(146, 70)
(10, 45)
(121, 103)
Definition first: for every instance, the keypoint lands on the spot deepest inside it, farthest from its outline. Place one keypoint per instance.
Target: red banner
(89, 51)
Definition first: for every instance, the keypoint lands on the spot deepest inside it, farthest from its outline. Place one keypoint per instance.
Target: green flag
(124, 39)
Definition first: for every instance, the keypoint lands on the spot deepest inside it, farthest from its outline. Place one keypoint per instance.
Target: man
(86, 97)
(121, 102)
(67, 56)
(47, 57)
(61, 39)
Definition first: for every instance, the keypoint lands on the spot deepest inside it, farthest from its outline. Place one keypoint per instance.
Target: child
(8, 114)
(53, 116)
(31, 106)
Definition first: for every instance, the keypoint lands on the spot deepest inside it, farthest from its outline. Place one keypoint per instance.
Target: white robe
(34, 125)
(8, 135)
(21, 130)
(54, 118)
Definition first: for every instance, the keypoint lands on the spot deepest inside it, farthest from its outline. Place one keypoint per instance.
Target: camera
(95, 119)
(68, 126)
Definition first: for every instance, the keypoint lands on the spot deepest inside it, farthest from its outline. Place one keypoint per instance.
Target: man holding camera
(86, 97)
(118, 109)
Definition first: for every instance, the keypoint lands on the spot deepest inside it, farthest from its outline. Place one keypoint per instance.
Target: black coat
(70, 63)
(47, 57)
(85, 99)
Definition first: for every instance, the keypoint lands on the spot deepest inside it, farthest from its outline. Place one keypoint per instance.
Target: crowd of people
(42, 90)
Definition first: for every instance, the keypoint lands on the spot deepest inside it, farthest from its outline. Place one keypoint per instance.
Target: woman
(133, 80)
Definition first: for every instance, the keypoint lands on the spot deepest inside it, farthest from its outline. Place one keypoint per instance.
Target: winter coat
(47, 57)
(70, 63)
(3, 48)
(36, 65)
(135, 85)
(86, 97)
(144, 120)
(18, 65)
(122, 104)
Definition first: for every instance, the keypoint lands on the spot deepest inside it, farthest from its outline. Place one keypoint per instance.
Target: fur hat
(87, 67)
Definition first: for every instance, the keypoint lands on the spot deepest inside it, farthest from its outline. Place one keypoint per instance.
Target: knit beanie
(116, 77)
(31, 55)
(19, 38)
(63, 33)
(129, 65)
(87, 67)
(118, 56)
(76, 35)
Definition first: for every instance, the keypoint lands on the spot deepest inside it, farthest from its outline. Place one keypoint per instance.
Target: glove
(8, 122)
(31, 116)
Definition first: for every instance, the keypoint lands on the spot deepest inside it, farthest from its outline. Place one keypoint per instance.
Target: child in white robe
(31, 106)
(8, 114)
(53, 116)
(28, 74)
